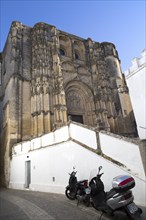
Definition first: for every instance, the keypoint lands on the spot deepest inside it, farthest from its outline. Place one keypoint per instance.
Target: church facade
(48, 76)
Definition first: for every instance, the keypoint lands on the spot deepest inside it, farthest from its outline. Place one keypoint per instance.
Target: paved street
(30, 205)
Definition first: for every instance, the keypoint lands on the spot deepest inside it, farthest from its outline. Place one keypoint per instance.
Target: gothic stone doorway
(80, 104)
(77, 118)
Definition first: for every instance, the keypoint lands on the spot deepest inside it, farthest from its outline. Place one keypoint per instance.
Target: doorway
(27, 173)
(77, 118)
(80, 103)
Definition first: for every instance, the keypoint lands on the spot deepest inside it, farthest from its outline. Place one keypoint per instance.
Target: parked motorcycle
(119, 201)
(78, 189)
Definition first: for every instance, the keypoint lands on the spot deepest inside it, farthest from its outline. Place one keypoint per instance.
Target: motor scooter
(119, 201)
(78, 189)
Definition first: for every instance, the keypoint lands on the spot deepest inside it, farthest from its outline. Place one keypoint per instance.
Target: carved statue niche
(97, 52)
(41, 49)
(16, 36)
(74, 102)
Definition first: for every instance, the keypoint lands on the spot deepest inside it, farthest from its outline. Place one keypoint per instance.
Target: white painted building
(43, 163)
(136, 82)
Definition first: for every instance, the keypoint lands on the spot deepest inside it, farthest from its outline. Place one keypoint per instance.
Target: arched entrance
(80, 104)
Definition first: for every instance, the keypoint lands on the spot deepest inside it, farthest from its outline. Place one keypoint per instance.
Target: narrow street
(31, 205)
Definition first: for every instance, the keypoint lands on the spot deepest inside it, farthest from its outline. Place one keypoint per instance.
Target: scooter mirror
(100, 168)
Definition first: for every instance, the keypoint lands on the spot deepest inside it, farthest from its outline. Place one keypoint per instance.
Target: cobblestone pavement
(31, 205)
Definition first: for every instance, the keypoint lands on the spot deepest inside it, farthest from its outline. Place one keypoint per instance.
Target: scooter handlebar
(99, 175)
(72, 173)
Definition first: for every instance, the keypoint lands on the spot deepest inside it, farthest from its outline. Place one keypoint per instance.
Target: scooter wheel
(120, 215)
(87, 200)
(70, 195)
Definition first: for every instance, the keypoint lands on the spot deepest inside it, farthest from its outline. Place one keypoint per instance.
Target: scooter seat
(110, 194)
(82, 181)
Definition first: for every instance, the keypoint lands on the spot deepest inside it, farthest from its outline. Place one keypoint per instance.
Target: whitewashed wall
(136, 82)
(123, 151)
(83, 135)
(51, 164)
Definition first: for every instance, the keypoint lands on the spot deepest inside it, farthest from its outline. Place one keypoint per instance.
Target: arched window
(79, 50)
(62, 52)
(77, 57)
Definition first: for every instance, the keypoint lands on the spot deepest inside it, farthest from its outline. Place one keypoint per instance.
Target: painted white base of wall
(50, 164)
(45, 188)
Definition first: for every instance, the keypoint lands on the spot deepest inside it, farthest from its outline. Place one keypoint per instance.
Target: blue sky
(120, 22)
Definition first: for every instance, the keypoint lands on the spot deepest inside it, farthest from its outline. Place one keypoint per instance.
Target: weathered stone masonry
(48, 77)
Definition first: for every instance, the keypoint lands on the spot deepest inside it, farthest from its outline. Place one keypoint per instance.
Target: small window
(62, 52)
(125, 112)
(76, 56)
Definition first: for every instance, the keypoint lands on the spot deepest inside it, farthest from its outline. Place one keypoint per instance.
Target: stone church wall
(49, 77)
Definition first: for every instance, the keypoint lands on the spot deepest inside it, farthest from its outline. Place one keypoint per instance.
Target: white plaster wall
(26, 146)
(51, 164)
(48, 139)
(35, 143)
(136, 82)
(17, 149)
(83, 135)
(58, 161)
(61, 134)
(125, 152)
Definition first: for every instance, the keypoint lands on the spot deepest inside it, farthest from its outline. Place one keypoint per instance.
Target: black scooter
(78, 189)
(119, 201)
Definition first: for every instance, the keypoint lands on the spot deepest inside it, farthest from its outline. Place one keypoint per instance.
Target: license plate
(132, 208)
(87, 190)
